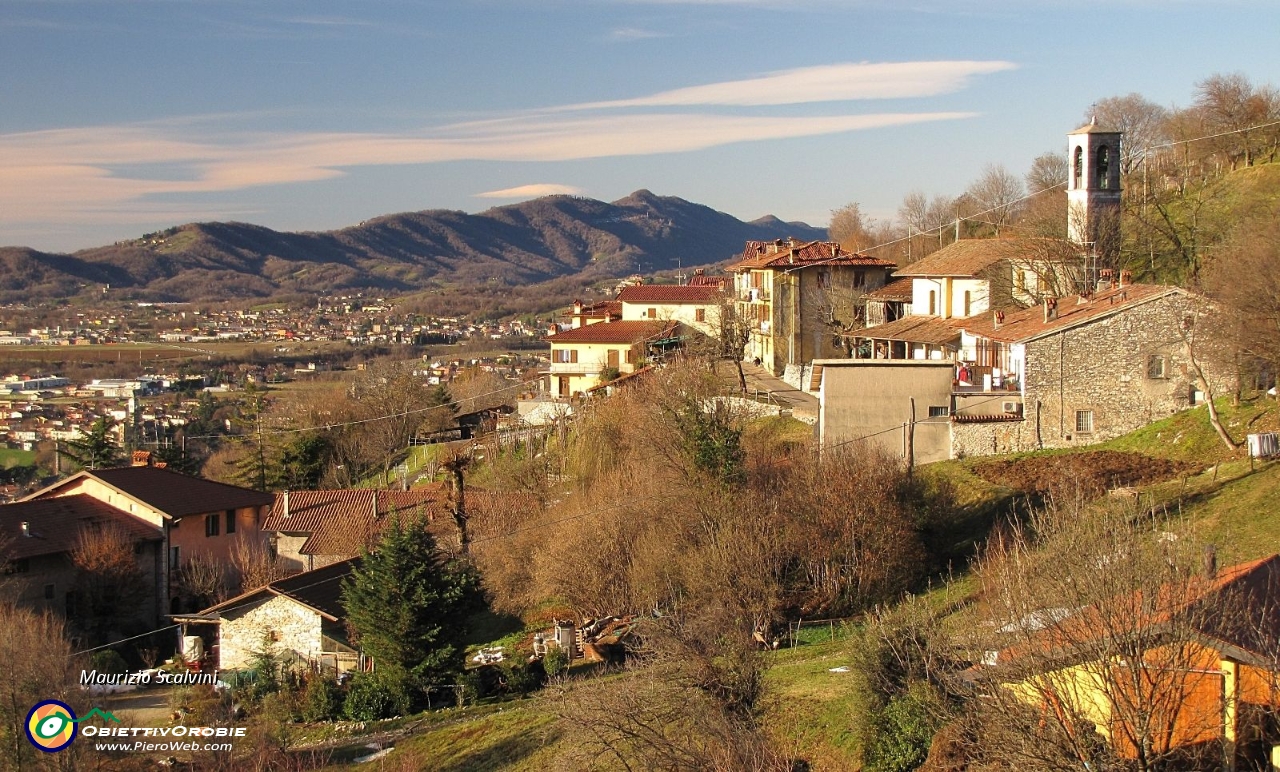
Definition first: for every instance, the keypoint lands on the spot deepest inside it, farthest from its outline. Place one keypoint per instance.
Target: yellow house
(580, 355)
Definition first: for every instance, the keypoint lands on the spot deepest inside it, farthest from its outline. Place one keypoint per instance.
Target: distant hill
(534, 241)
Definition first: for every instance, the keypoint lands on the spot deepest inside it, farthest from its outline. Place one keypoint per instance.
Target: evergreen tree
(408, 604)
(97, 448)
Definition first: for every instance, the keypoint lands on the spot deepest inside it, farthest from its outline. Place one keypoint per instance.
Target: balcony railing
(576, 368)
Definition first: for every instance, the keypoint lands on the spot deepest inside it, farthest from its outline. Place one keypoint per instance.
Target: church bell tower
(1093, 190)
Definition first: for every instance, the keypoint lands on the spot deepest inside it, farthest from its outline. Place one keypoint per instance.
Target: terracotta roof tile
(1029, 323)
(898, 289)
(768, 254)
(969, 257)
(320, 589)
(176, 494)
(55, 524)
(669, 293)
(916, 329)
(616, 332)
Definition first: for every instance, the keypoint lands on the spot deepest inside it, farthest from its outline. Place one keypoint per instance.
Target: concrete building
(868, 402)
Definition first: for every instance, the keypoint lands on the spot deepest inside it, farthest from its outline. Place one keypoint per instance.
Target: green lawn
(10, 457)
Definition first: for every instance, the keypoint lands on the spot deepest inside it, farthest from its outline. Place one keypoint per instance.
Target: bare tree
(998, 193)
(1245, 279)
(254, 563)
(1143, 123)
(204, 579)
(850, 228)
(109, 582)
(928, 218)
(38, 665)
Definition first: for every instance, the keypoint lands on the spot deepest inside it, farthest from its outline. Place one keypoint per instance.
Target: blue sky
(125, 116)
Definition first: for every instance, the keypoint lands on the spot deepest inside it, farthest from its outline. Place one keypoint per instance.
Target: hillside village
(620, 530)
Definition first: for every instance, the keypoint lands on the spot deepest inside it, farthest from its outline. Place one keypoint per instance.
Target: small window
(1156, 366)
(652, 313)
(1084, 422)
(211, 525)
(1077, 168)
(933, 303)
(939, 411)
(49, 592)
(824, 279)
(967, 303)
(1104, 167)
(231, 521)
(630, 357)
(700, 314)
(859, 279)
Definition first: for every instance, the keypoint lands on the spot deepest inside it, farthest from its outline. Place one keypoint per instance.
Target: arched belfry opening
(1093, 192)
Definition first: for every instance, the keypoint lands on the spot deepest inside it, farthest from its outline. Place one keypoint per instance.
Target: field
(10, 458)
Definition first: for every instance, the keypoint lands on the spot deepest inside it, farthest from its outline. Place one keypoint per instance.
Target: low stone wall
(989, 438)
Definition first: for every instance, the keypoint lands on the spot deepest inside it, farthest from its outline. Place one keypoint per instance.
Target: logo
(52, 725)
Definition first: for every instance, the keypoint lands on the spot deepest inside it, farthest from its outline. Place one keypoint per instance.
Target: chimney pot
(26, 529)
(286, 503)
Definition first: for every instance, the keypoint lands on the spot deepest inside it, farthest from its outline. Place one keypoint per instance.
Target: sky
(120, 117)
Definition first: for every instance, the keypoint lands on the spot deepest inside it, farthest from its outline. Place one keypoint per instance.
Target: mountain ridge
(513, 245)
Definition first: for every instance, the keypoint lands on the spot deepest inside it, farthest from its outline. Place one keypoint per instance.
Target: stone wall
(986, 438)
(291, 628)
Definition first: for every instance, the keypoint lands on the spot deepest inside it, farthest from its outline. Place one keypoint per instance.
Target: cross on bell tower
(1093, 190)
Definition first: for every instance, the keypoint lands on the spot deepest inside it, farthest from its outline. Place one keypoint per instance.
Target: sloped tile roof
(55, 524)
(970, 257)
(898, 289)
(616, 332)
(176, 494)
(915, 329)
(320, 590)
(339, 522)
(1029, 323)
(670, 293)
(769, 254)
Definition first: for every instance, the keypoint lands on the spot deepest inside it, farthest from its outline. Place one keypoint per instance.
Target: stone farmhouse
(300, 618)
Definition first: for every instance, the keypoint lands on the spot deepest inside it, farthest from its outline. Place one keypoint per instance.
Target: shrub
(108, 661)
(321, 699)
(556, 661)
(373, 696)
(522, 677)
(904, 730)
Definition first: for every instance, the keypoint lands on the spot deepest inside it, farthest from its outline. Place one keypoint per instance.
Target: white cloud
(533, 191)
(635, 33)
(825, 83)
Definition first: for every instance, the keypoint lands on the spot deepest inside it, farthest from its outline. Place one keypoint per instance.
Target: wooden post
(911, 439)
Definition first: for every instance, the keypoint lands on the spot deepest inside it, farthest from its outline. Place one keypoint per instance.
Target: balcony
(575, 368)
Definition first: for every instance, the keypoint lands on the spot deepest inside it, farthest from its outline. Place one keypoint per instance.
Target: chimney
(286, 503)
(577, 306)
(1126, 278)
(1050, 309)
(997, 319)
(375, 505)
(1104, 279)
(26, 529)
(1210, 562)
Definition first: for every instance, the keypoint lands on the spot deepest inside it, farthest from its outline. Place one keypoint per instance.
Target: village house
(37, 539)
(299, 619)
(581, 355)
(802, 299)
(196, 517)
(695, 306)
(1206, 650)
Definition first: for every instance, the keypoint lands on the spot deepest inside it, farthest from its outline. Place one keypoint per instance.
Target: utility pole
(911, 440)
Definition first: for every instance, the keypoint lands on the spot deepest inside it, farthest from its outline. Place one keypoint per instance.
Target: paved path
(803, 406)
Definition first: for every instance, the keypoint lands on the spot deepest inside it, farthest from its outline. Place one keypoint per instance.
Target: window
(824, 279)
(700, 314)
(49, 592)
(652, 313)
(967, 298)
(173, 558)
(566, 355)
(231, 521)
(859, 279)
(631, 356)
(211, 525)
(1084, 421)
(939, 411)
(1103, 173)
(1156, 366)
(933, 302)
(1077, 168)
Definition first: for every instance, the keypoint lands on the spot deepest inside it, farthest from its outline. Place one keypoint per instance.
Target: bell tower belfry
(1093, 189)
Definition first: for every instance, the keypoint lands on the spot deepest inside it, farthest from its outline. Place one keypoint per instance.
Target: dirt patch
(1095, 472)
